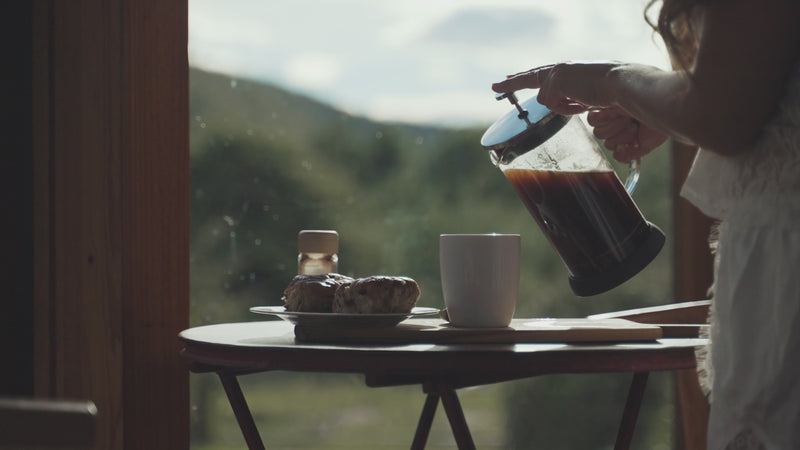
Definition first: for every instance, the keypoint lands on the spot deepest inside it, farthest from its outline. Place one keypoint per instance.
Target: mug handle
(633, 176)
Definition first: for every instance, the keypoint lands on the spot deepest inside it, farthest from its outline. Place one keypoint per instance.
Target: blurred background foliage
(266, 163)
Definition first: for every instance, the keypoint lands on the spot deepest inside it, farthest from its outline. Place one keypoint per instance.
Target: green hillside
(267, 163)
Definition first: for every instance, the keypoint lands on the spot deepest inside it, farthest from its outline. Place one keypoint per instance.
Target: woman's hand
(566, 88)
(573, 88)
(625, 137)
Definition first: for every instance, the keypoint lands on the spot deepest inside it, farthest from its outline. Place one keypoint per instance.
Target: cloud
(213, 25)
(445, 107)
(313, 71)
(483, 26)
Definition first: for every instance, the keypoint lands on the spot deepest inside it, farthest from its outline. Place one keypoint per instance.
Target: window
(366, 117)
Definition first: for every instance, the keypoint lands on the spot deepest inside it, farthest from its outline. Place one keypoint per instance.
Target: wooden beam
(693, 262)
(155, 195)
(46, 424)
(692, 277)
(112, 213)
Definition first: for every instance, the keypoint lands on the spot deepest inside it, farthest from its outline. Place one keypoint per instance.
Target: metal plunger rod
(523, 114)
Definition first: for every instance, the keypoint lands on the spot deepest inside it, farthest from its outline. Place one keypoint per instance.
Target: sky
(419, 61)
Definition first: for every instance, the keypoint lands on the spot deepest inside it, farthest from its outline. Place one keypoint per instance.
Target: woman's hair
(677, 26)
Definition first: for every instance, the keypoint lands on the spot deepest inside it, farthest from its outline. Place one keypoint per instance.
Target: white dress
(755, 330)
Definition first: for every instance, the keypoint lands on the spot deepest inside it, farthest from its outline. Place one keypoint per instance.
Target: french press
(567, 184)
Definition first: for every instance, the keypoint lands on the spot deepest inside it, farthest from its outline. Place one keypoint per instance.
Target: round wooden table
(234, 349)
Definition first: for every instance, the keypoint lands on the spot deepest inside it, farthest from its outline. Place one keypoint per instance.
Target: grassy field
(313, 411)
(337, 411)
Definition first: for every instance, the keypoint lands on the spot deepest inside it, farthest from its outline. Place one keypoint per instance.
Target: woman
(737, 97)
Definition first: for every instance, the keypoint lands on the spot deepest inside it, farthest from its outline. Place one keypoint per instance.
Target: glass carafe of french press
(562, 176)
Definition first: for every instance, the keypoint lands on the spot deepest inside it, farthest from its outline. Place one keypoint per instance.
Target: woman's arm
(746, 53)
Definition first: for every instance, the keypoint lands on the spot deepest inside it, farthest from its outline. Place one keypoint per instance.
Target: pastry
(376, 295)
(313, 293)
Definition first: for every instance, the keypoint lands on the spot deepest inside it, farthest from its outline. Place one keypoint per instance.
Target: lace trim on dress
(746, 440)
(705, 370)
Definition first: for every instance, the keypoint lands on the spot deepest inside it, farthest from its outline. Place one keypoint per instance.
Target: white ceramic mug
(480, 278)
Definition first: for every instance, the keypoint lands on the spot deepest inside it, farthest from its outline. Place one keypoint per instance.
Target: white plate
(342, 319)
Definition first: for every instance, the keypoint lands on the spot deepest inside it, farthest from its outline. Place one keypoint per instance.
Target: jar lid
(525, 127)
(318, 241)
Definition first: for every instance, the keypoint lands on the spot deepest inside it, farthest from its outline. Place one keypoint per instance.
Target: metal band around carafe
(532, 137)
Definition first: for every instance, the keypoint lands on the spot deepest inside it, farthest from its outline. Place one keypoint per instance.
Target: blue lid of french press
(529, 123)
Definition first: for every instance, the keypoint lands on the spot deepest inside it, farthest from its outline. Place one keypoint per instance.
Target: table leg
(456, 417)
(425, 421)
(635, 395)
(241, 411)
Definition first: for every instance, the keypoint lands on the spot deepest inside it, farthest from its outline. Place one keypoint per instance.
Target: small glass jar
(317, 252)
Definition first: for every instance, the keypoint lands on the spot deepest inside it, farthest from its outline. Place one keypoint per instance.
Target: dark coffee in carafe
(588, 217)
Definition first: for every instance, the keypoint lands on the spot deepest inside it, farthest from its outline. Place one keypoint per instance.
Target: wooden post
(693, 275)
(111, 181)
